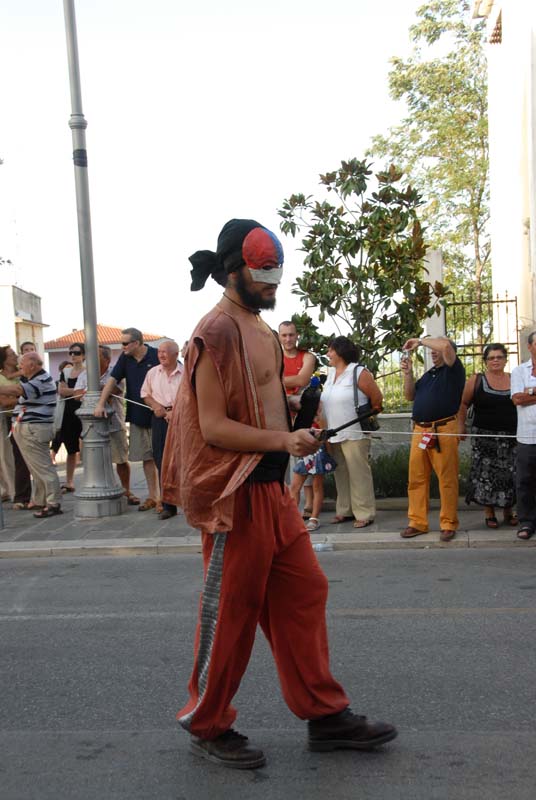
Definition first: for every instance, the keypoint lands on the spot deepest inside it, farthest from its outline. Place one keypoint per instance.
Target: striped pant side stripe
(210, 605)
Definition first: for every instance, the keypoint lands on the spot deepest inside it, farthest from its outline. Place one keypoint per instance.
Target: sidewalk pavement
(142, 533)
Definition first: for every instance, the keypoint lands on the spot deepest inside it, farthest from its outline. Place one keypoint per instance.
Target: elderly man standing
(33, 430)
(159, 391)
(436, 400)
(133, 365)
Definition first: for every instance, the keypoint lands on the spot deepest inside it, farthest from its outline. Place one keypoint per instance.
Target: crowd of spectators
(491, 406)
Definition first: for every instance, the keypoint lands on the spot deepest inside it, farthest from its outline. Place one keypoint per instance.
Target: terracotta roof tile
(105, 335)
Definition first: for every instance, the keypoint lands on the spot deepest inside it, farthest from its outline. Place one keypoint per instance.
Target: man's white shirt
(522, 378)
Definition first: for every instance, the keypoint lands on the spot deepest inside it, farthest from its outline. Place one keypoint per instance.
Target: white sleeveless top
(338, 402)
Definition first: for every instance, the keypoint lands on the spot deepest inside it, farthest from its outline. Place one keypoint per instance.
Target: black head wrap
(228, 255)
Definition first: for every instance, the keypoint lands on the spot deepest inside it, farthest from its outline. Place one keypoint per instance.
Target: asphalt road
(95, 656)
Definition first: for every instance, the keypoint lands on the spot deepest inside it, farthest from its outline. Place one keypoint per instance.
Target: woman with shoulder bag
(492, 474)
(350, 447)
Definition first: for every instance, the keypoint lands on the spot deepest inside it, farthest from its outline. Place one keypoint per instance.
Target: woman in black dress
(71, 427)
(492, 475)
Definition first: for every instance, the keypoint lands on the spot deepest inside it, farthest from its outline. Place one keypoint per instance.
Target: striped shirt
(38, 400)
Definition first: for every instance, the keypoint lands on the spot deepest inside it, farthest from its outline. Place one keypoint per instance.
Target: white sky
(196, 113)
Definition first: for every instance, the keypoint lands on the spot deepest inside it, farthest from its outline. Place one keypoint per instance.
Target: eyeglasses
(75, 352)
(495, 358)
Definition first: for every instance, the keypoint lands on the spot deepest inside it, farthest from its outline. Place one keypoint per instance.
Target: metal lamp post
(100, 494)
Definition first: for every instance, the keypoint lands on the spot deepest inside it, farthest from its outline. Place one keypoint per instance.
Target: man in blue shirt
(436, 400)
(132, 366)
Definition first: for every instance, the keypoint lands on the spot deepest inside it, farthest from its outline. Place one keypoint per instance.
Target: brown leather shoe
(446, 536)
(229, 750)
(348, 731)
(409, 532)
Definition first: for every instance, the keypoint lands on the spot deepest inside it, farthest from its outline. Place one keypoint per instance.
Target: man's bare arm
(523, 399)
(107, 391)
(221, 431)
(440, 343)
(158, 408)
(409, 381)
(303, 378)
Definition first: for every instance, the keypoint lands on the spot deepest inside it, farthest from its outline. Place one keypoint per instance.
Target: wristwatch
(530, 390)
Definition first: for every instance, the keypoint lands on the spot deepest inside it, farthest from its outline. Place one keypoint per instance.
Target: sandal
(65, 489)
(491, 522)
(132, 500)
(48, 511)
(147, 505)
(338, 518)
(307, 513)
(21, 506)
(525, 533)
(512, 520)
(312, 524)
(363, 523)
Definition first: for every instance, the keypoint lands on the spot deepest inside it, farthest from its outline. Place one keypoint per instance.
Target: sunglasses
(126, 344)
(75, 352)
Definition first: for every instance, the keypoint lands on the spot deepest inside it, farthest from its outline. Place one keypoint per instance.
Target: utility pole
(100, 494)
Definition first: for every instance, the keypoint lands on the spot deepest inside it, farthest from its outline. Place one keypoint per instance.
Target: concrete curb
(386, 540)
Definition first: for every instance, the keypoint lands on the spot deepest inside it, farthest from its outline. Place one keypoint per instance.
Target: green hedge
(390, 474)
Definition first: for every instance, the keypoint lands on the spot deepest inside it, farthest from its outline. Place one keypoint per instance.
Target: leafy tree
(442, 142)
(363, 260)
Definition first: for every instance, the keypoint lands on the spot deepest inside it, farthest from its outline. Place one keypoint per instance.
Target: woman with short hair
(493, 465)
(350, 447)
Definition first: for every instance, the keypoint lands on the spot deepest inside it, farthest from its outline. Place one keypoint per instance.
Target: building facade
(20, 318)
(58, 349)
(511, 54)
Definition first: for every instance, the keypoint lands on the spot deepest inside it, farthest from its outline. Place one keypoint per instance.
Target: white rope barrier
(374, 435)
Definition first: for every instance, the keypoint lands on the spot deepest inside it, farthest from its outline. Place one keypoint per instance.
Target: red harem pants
(263, 571)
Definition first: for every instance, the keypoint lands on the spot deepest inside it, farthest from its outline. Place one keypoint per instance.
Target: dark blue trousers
(159, 429)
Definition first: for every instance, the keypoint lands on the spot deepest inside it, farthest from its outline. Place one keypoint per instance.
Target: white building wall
(511, 143)
(8, 334)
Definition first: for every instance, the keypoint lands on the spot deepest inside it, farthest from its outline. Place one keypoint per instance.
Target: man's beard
(253, 300)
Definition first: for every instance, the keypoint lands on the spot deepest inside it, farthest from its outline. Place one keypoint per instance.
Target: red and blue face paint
(263, 255)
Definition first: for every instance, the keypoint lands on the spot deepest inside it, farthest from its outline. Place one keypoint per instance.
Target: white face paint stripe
(267, 275)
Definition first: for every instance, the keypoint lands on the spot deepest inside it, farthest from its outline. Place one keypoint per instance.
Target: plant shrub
(390, 474)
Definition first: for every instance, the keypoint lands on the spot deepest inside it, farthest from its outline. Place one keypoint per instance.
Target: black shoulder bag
(470, 418)
(370, 424)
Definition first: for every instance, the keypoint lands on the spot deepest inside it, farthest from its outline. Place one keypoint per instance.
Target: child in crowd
(316, 465)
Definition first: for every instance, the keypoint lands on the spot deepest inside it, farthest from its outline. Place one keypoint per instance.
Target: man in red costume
(226, 455)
